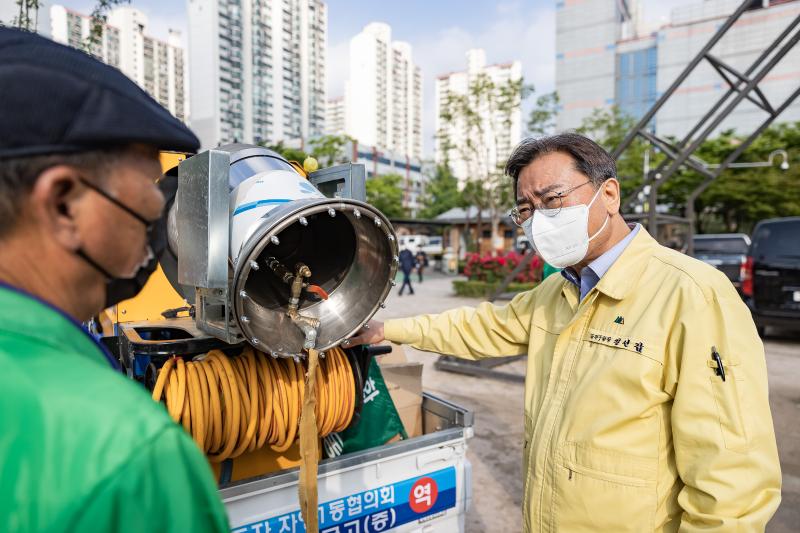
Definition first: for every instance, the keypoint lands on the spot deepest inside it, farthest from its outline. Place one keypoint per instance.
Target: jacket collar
(24, 314)
(624, 274)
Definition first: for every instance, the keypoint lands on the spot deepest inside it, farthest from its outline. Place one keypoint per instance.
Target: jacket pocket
(730, 400)
(603, 490)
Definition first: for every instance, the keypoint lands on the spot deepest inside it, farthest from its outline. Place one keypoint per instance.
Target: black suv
(771, 275)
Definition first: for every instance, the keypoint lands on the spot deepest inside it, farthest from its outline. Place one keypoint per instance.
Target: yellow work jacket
(628, 426)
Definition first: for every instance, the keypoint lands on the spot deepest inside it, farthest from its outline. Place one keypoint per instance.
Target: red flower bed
(493, 268)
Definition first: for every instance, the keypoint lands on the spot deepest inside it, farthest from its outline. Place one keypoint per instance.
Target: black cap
(56, 99)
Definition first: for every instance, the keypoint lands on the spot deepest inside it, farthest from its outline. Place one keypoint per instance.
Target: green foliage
(441, 193)
(736, 200)
(94, 42)
(487, 187)
(386, 194)
(291, 154)
(608, 128)
(27, 15)
(542, 118)
(484, 289)
(330, 150)
(740, 197)
(473, 194)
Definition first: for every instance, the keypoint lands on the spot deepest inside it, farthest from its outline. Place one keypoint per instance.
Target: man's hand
(372, 333)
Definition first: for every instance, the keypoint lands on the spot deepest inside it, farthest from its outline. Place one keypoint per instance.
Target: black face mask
(119, 289)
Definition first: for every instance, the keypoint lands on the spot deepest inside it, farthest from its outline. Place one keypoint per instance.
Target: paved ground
(783, 363)
(496, 449)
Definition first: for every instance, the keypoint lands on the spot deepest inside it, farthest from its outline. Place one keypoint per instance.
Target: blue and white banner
(374, 510)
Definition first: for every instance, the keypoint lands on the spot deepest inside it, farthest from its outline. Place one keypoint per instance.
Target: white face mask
(562, 239)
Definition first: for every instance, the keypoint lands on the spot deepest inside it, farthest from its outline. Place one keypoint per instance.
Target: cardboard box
(396, 356)
(404, 381)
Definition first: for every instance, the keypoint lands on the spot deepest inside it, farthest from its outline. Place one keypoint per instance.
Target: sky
(439, 31)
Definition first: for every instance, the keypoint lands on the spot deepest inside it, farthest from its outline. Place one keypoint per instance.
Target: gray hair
(590, 158)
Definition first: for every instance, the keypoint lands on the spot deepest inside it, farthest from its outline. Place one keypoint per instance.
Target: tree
(27, 15)
(737, 199)
(740, 197)
(441, 193)
(472, 195)
(291, 154)
(93, 44)
(483, 116)
(385, 194)
(608, 128)
(331, 149)
(542, 118)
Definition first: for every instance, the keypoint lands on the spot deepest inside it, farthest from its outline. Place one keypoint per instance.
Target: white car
(433, 246)
(412, 242)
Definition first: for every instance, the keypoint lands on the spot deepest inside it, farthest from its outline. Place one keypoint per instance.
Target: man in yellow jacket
(646, 404)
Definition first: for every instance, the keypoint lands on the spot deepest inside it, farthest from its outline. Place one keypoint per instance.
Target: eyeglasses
(551, 205)
(148, 224)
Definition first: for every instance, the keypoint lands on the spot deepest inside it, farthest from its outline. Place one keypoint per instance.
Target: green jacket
(82, 448)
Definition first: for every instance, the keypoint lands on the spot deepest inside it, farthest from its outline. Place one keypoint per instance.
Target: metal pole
(732, 90)
(739, 97)
(681, 77)
(690, 214)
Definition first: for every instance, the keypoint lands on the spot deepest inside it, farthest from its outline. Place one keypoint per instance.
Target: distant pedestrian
(407, 264)
(422, 262)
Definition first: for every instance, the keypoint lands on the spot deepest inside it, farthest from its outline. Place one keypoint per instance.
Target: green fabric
(379, 420)
(82, 448)
(547, 270)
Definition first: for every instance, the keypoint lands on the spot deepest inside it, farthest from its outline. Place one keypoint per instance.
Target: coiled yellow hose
(231, 405)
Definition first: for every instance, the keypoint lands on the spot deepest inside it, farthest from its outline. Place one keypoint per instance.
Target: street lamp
(690, 215)
(768, 163)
